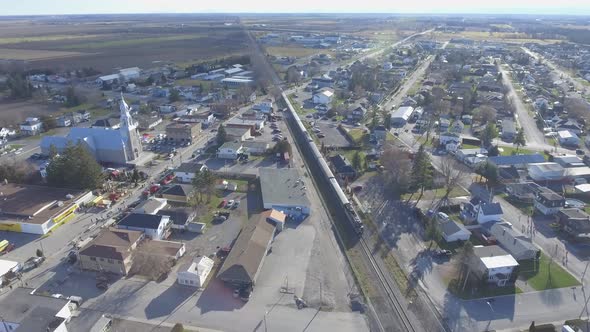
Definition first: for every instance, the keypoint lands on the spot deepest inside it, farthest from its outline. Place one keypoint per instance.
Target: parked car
(443, 253)
(230, 203)
(223, 203)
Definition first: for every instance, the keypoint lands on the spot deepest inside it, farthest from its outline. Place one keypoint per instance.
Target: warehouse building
(400, 117)
(284, 190)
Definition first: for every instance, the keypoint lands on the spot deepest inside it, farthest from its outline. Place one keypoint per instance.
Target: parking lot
(332, 136)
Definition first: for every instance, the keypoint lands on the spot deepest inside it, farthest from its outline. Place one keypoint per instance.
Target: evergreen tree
(357, 161)
(221, 135)
(72, 99)
(75, 168)
(421, 171)
(174, 95)
(489, 133)
(488, 171)
(519, 140)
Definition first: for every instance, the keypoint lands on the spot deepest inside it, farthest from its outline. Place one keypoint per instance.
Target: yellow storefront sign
(10, 227)
(65, 216)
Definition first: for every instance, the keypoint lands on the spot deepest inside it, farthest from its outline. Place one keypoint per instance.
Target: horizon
(433, 7)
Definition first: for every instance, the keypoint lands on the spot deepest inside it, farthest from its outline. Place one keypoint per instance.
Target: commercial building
(401, 116)
(240, 134)
(24, 311)
(324, 96)
(107, 146)
(111, 251)
(230, 150)
(195, 274)
(283, 190)
(235, 82)
(243, 264)
(38, 209)
(182, 132)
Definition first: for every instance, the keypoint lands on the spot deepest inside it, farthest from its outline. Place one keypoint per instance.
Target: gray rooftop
(489, 209)
(281, 186)
(19, 304)
(516, 244)
(517, 159)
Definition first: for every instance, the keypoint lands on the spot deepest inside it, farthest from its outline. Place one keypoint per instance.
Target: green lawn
(469, 146)
(546, 275)
(510, 150)
(356, 135)
(526, 208)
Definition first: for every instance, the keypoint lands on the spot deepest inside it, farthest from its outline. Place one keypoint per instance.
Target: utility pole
(585, 269)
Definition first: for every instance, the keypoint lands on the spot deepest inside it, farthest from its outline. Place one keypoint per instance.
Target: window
(110, 261)
(93, 258)
(101, 259)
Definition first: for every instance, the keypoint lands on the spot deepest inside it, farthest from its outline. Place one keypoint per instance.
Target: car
(72, 257)
(309, 116)
(245, 294)
(396, 134)
(230, 203)
(236, 204)
(321, 135)
(443, 253)
(276, 139)
(334, 119)
(223, 203)
(236, 293)
(580, 152)
(357, 124)
(276, 131)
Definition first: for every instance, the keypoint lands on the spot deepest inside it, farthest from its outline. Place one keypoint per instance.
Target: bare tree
(485, 114)
(451, 176)
(578, 108)
(398, 168)
(149, 265)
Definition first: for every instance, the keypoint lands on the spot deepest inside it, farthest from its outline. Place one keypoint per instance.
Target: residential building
(548, 202)
(481, 212)
(264, 106)
(63, 121)
(31, 126)
(5, 132)
(380, 133)
(155, 227)
(357, 114)
(107, 146)
(516, 244)
(493, 264)
(180, 217)
(568, 161)
(171, 251)
(235, 82)
(186, 172)
(25, 311)
(323, 82)
(283, 190)
(464, 154)
(452, 231)
(519, 161)
(574, 222)
(179, 193)
(343, 167)
(457, 127)
(151, 205)
(449, 138)
(239, 134)
(323, 96)
(568, 138)
(182, 132)
(38, 209)
(508, 129)
(256, 147)
(111, 251)
(195, 274)
(230, 150)
(253, 124)
(148, 122)
(401, 116)
(107, 123)
(243, 264)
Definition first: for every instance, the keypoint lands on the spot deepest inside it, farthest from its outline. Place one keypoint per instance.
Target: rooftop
(178, 215)
(34, 204)
(494, 257)
(282, 186)
(184, 190)
(112, 243)
(18, 305)
(161, 248)
(189, 167)
(141, 220)
(517, 159)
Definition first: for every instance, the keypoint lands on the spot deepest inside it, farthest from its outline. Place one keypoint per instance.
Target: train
(332, 182)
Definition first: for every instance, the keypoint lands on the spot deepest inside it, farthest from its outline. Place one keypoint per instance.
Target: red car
(223, 203)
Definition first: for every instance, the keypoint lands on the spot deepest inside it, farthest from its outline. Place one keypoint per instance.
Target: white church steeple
(129, 132)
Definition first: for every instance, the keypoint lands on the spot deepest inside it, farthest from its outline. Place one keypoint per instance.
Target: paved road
(534, 136)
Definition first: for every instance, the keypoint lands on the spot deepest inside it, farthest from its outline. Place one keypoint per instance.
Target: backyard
(546, 274)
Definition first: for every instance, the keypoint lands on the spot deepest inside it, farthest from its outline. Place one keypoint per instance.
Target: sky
(56, 7)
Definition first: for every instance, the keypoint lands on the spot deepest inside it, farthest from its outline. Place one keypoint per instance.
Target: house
(8, 268)
(107, 123)
(517, 245)
(195, 273)
(179, 193)
(567, 138)
(452, 231)
(24, 310)
(169, 250)
(148, 122)
(546, 171)
(493, 264)
(448, 138)
(230, 150)
(151, 205)
(343, 167)
(110, 251)
(264, 106)
(38, 209)
(519, 161)
(182, 132)
(357, 114)
(63, 121)
(5, 132)
(283, 190)
(444, 124)
(464, 154)
(380, 132)
(244, 261)
(548, 202)
(180, 217)
(155, 227)
(457, 127)
(570, 125)
(186, 172)
(253, 124)
(323, 82)
(508, 129)
(323, 96)
(481, 211)
(31, 126)
(129, 73)
(575, 222)
(401, 116)
(256, 147)
(239, 134)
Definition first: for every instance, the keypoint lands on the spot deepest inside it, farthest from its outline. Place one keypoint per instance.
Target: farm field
(33, 55)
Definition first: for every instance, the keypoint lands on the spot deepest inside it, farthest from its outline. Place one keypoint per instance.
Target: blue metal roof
(517, 159)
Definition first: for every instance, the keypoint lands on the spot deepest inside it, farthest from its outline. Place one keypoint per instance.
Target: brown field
(12, 112)
(296, 51)
(35, 55)
(110, 42)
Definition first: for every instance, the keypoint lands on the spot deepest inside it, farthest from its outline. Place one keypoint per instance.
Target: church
(116, 146)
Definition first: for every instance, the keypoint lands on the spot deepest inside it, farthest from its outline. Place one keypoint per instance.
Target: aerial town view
(312, 166)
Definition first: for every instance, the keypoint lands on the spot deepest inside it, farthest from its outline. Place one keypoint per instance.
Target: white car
(230, 203)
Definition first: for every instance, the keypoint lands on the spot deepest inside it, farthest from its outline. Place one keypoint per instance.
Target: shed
(195, 274)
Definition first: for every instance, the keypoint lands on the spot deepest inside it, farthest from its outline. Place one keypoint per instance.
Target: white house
(31, 126)
(5, 132)
(548, 202)
(7, 267)
(401, 116)
(324, 96)
(387, 65)
(195, 274)
(151, 205)
(230, 150)
(493, 263)
(452, 231)
(463, 154)
(264, 106)
(130, 73)
(185, 173)
(154, 226)
(568, 138)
